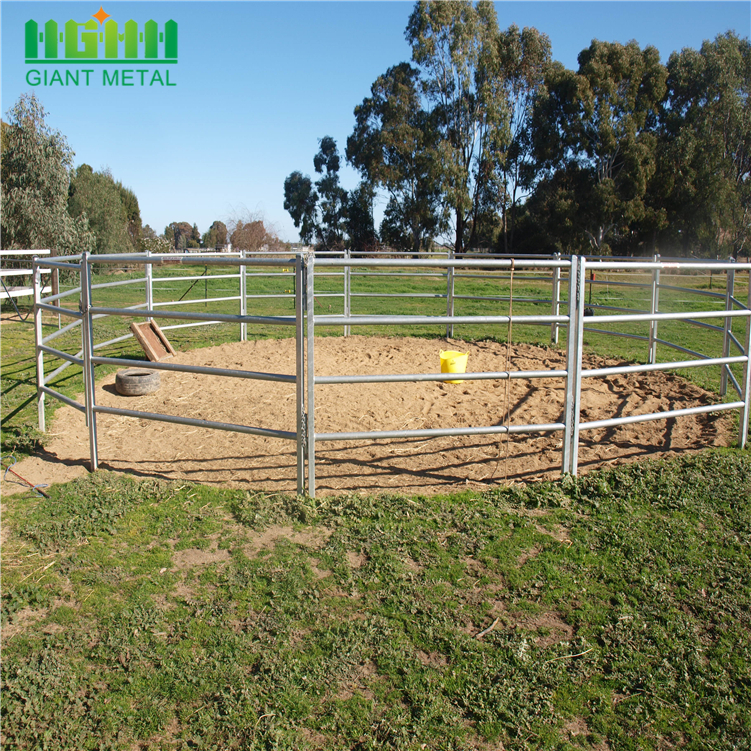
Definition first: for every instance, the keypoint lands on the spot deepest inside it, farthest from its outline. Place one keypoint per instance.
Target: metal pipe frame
(64, 399)
(386, 320)
(729, 289)
(199, 370)
(555, 301)
(436, 263)
(654, 308)
(181, 260)
(87, 336)
(305, 274)
(243, 299)
(650, 368)
(196, 423)
(450, 289)
(300, 305)
(375, 435)
(213, 317)
(38, 339)
(439, 377)
(743, 432)
(310, 262)
(668, 414)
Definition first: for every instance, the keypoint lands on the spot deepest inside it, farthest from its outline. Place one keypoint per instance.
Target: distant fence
(569, 311)
(21, 271)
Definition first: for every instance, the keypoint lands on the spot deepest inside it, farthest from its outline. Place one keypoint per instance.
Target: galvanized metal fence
(306, 269)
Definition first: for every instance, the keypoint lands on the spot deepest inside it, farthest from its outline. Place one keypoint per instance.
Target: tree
(360, 226)
(179, 235)
(249, 235)
(332, 197)
(599, 124)
(320, 215)
(216, 237)
(35, 181)
(132, 213)
(392, 146)
(301, 201)
(707, 157)
(97, 197)
(453, 47)
(521, 59)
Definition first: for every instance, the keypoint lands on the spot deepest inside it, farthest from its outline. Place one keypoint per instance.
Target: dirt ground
(148, 448)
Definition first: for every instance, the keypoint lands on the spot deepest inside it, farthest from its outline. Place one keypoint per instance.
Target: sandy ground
(154, 449)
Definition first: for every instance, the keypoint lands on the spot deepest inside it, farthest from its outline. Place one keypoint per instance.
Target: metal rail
(567, 277)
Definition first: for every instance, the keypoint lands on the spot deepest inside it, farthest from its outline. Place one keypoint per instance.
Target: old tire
(136, 381)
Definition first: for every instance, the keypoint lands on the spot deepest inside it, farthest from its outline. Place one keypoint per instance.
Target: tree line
(47, 203)
(485, 139)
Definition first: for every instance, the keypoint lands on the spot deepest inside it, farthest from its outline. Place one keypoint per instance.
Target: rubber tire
(136, 381)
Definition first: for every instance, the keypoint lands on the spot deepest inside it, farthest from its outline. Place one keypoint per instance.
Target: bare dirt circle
(156, 449)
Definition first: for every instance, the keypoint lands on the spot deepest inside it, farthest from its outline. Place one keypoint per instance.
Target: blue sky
(258, 83)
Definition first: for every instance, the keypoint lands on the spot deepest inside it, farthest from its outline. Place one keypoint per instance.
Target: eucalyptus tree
(452, 43)
(393, 145)
(360, 224)
(35, 181)
(320, 215)
(301, 201)
(707, 126)
(333, 198)
(519, 65)
(598, 125)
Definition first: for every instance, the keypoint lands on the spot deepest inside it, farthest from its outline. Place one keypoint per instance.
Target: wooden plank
(152, 340)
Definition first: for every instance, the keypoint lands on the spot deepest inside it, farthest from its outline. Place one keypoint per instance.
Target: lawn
(606, 612)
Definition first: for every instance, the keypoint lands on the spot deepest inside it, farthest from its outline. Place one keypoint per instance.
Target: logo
(101, 41)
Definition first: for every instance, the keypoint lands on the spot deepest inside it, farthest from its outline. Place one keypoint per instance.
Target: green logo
(99, 40)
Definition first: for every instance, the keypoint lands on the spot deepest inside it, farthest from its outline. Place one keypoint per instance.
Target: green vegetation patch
(608, 611)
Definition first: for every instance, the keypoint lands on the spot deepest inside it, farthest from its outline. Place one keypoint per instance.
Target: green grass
(156, 615)
(607, 612)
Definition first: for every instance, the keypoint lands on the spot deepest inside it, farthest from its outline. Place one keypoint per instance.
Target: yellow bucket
(454, 362)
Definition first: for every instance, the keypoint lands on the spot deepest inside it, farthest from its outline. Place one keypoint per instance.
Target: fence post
(243, 297)
(347, 283)
(300, 372)
(743, 432)
(149, 283)
(729, 290)
(556, 303)
(88, 350)
(654, 308)
(574, 347)
(310, 353)
(38, 336)
(450, 295)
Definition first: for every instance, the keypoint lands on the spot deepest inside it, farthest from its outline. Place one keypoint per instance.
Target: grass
(606, 612)
(612, 611)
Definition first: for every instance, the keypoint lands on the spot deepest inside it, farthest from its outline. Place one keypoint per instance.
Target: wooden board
(152, 340)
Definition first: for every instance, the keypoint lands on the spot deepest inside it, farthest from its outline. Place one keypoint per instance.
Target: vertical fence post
(243, 296)
(654, 308)
(38, 336)
(149, 283)
(310, 352)
(556, 302)
(574, 348)
(300, 372)
(347, 283)
(88, 350)
(729, 290)
(745, 412)
(450, 295)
